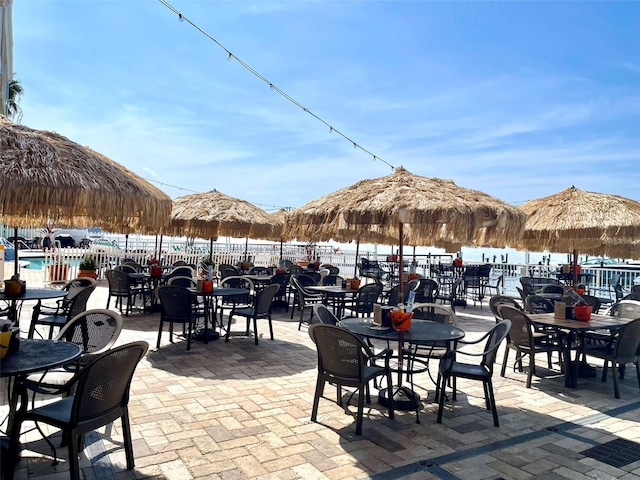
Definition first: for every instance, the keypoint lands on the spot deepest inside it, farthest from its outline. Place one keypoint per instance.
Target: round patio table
(38, 294)
(422, 332)
(32, 356)
(211, 310)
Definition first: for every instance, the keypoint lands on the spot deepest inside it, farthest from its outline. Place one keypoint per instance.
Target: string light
(257, 74)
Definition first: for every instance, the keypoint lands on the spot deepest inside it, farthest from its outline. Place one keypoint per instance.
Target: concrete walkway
(237, 411)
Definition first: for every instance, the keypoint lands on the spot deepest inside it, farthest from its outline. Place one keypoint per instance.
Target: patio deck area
(238, 411)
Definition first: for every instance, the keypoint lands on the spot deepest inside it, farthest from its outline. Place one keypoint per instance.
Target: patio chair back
(497, 300)
(332, 279)
(180, 281)
(182, 271)
(95, 331)
(321, 314)
(426, 290)
(125, 268)
(538, 304)
(366, 296)
(625, 309)
(552, 289)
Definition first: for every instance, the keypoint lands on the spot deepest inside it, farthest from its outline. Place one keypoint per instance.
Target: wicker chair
(110, 374)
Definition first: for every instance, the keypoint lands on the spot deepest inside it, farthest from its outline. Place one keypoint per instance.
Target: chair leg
(492, 402)
(532, 367)
(226, 337)
(72, 446)
(189, 333)
(604, 371)
(159, 334)
(442, 383)
(128, 445)
(316, 398)
(270, 326)
(360, 413)
(255, 329)
(504, 361)
(616, 386)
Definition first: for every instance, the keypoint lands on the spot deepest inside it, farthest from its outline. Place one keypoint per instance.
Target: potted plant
(88, 267)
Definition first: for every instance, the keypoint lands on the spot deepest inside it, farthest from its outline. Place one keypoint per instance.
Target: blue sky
(517, 99)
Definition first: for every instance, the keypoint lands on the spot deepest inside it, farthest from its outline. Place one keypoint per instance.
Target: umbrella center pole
(400, 263)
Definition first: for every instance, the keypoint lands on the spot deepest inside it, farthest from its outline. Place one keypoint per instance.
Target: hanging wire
(231, 56)
(264, 206)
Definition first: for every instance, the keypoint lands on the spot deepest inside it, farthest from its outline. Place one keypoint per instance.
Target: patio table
(570, 331)
(336, 293)
(38, 294)
(211, 310)
(422, 332)
(32, 356)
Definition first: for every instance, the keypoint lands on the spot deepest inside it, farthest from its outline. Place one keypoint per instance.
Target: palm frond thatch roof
(434, 211)
(211, 214)
(589, 222)
(45, 176)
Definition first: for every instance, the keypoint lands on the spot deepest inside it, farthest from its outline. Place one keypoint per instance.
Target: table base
(403, 398)
(200, 335)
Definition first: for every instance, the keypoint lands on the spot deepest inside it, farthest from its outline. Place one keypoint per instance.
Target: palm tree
(14, 111)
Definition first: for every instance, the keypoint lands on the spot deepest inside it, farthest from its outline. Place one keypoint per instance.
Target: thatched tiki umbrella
(436, 211)
(577, 221)
(45, 176)
(278, 226)
(211, 214)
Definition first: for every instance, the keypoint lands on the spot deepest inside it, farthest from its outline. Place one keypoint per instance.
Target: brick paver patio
(236, 411)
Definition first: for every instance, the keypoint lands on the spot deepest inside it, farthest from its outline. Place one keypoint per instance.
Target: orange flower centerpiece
(154, 268)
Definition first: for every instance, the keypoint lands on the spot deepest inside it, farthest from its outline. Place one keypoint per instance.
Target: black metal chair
(332, 279)
(259, 271)
(76, 306)
(261, 309)
(393, 296)
(372, 269)
(451, 368)
(624, 348)
(303, 298)
(181, 271)
(235, 301)
(496, 287)
(101, 397)
(177, 305)
(366, 296)
(344, 360)
(525, 342)
(282, 296)
(95, 331)
(121, 287)
(62, 304)
(426, 291)
(454, 296)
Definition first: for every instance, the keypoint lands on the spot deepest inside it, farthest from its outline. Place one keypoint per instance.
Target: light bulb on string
(229, 57)
(180, 17)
